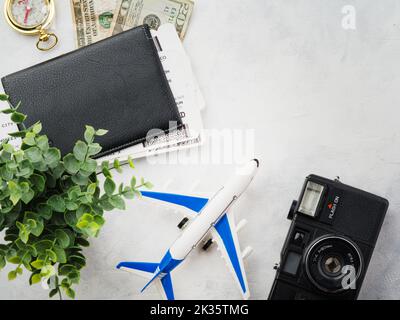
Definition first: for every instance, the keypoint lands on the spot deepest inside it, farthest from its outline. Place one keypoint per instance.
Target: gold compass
(32, 17)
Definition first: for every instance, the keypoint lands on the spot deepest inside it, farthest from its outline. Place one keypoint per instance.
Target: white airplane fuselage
(215, 209)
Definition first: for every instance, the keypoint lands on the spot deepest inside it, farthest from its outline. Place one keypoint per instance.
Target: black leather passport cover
(116, 84)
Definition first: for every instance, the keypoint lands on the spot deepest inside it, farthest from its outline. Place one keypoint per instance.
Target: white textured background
(321, 99)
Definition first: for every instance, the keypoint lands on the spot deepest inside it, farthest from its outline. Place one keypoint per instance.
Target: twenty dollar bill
(132, 13)
(92, 19)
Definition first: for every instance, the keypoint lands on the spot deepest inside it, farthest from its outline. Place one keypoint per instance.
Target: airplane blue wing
(144, 269)
(229, 244)
(193, 203)
(166, 282)
(141, 266)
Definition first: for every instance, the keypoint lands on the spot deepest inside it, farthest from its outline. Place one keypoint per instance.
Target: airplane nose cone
(257, 161)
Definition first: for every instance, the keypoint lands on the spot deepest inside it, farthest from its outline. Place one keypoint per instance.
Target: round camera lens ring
(315, 243)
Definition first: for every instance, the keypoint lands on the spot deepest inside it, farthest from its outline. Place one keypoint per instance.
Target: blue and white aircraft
(209, 216)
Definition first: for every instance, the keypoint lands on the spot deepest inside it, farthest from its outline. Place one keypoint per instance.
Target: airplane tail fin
(152, 270)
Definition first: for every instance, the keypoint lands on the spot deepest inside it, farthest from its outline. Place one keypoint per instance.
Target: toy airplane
(210, 216)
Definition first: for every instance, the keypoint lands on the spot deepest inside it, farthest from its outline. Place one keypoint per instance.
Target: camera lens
(333, 263)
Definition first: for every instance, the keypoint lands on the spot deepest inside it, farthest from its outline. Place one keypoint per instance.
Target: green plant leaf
(14, 260)
(37, 264)
(105, 170)
(93, 149)
(37, 231)
(78, 261)
(25, 169)
(12, 275)
(99, 220)
(82, 224)
(32, 250)
(18, 134)
(2, 262)
(38, 182)
(44, 210)
(37, 127)
(74, 276)
(74, 192)
(86, 217)
(128, 193)
(133, 182)
(3, 97)
(90, 165)
(61, 256)
(27, 196)
(31, 223)
(148, 185)
(29, 139)
(47, 271)
(117, 202)
(80, 179)
(80, 150)
(89, 134)
(42, 245)
(15, 192)
(70, 218)
(42, 143)
(131, 164)
(18, 117)
(91, 189)
(8, 148)
(105, 204)
(109, 186)
(70, 205)
(52, 156)
(52, 255)
(7, 111)
(18, 155)
(117, 165)
(57, 203)
(23, 232)
(20, 244)
(36, 278)
(70, 293)
(53, 292)
(33, 154)
(65, 283)
(58, 170)
(71, 164)
(24, 186)
(82, 242)
(64, 270)
(62, 238)
(92, 229)
(5, 173)
(101, 132)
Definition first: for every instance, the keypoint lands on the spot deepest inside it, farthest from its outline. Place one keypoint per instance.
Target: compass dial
(29, 13)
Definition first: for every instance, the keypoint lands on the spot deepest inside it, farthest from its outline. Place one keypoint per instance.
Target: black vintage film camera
(332, 236)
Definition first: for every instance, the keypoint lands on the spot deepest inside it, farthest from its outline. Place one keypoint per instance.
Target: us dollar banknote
(131, 13)
(92, 19)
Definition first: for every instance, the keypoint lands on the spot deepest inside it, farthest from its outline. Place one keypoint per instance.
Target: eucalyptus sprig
(50, 206)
